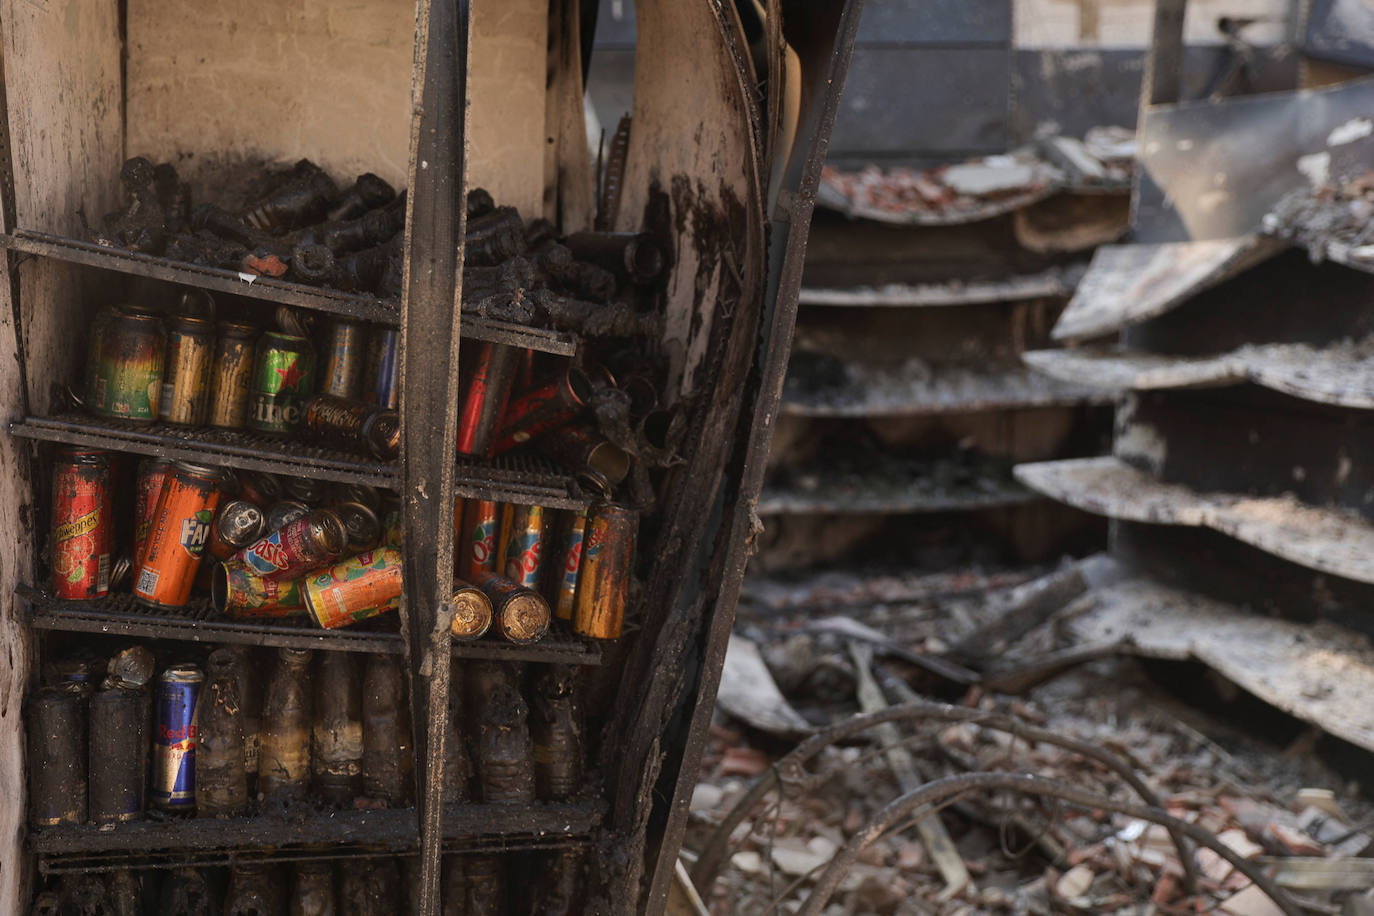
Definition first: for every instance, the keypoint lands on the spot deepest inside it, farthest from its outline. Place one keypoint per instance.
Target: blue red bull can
(525, 546)
(174, 738)
(383, 366)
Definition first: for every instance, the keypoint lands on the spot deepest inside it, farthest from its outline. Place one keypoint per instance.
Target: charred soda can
(241, 593)
(385, 738)
(221, 777)
(185, 892)
(525, 546)
(505, 756)
(297, 547)
(260, 488)
(582, 450)
(540, 409)
(174, 738)
(186, 372)
(57, 757)
(343, 360)
(521, 614)
(472, 612)
(484, 398)
(179, 531)
(503, 535)
(364, 530)
(352, 425)
(485, 884)
(283, 512)
(477, 548)
(558, 887)
(308, 490)
(148, 487)
(556, 730)
(356, 589)
(126, 367)
(603, 589)
(380, 379)
(82, 524)
(336, 744)
(359, 493)
(283, 378)
(255, 889)
(634, 256)
(231, 377)
(118, 754)
(284, 743)
(565, 564)
(238, 524)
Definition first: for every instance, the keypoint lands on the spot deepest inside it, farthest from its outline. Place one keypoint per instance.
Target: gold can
(232, 375)
(186, 372)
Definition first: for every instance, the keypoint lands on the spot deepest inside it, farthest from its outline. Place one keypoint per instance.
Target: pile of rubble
(1032, 724)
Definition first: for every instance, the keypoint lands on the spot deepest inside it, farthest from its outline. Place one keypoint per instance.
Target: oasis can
(297, 547)
(243, 594)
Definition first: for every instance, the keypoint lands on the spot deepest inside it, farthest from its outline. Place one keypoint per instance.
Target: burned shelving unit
(1235, 332)
(906, 402)
(453, 98)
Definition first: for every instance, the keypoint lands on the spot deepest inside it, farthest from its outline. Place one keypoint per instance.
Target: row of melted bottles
(322, 729)
(329, 552)
(542, 883)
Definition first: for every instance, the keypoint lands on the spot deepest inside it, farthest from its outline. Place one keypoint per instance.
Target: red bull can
(174, 738)
(525, 546)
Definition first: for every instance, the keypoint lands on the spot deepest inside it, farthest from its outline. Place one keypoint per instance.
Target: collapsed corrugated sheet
(1341, 374)
(1327, 540)
(1054, 282)
(1127, 284)
(886, 484)
(984, 187)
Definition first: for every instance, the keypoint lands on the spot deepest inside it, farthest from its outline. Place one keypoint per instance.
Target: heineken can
(126, 366)
(232, 375)
(283, 377)
(186, 373)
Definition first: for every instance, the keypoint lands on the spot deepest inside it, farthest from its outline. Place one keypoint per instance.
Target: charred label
(82, 525)
(603, 589)
(352, 425)
(541, 409)
(485, 396)
(186, 373)
(356, 589)
(126, 367)
(179, 531)
(231, 376)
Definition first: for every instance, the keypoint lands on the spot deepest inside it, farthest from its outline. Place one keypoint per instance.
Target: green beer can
(283, 378)
(126, 359)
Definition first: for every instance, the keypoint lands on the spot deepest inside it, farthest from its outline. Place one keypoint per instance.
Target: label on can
(565, 583)
(241, 593)
(483, 522)
(295, 548)
(82, 535)
(126, 379)
(176, 539)
(231, 380)
(356, 589)
(524, 550)
(186, 376)
(282, 379)
(174, 739)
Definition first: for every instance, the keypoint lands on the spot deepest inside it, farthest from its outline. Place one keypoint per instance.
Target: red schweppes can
(525, 546)
(82, 526)
(178, 534)
(297, 547)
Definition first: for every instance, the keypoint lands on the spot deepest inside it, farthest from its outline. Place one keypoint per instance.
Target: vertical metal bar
(1163, 80)
(435, 221)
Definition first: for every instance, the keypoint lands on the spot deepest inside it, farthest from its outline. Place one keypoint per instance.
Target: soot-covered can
(126, 366)
(231, 377)
(186, 372)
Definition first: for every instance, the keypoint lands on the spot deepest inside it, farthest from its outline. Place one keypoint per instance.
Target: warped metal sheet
(919, 388)
(1126, 284)
(1319, 672)
(1327, 540)
(1341, 374)
(1055, 282)
(1341, 30)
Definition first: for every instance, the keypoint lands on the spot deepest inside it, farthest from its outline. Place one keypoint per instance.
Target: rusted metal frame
(942, 791)
(787, 250)
(430, 320)
(791, 769)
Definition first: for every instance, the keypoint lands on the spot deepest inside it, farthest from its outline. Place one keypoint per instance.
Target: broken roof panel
(1052, 283)
(893, 488)
(1127, 284)
(1341, 374)
(1318, 672)
(1327, 540)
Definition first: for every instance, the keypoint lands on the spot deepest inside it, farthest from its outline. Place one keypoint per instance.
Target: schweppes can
(356, 589)
(82, 524)
(178, 534)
